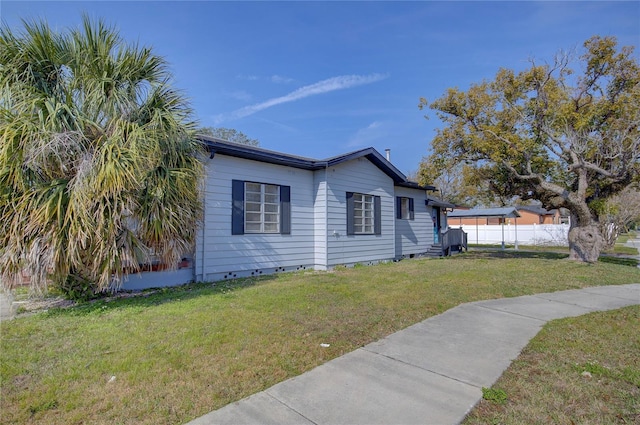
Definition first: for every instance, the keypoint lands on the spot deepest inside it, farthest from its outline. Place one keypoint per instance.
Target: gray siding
(320, 219)
(159, 279)
(220, 255)
(414, 236)
(360, 176)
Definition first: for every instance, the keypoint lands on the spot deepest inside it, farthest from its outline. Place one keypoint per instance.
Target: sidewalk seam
(421, 368)
(542, 321)
(287, 406)
(593, 309)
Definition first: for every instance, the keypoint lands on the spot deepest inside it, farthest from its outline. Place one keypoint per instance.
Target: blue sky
(319, 79)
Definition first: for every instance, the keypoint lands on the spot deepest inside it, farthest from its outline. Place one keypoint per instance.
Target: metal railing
(453, 240)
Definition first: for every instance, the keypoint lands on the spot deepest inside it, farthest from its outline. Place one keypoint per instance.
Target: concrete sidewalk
(430, 373)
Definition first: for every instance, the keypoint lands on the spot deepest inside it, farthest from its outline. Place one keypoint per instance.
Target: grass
(583, 370)
(624, 250)
(176, 354)
(624, 237)
(619, 254)
(621, 249)
(618, 249)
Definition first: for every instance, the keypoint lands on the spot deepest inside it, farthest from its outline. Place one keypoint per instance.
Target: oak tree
(564, 133)
(229, 134)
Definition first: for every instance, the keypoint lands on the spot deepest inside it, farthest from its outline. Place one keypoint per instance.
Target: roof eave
(414, 185)
(215, 145)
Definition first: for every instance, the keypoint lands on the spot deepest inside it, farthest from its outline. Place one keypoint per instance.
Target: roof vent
(388, 152)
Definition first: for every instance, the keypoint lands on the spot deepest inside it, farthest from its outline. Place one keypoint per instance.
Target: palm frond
(97, 168)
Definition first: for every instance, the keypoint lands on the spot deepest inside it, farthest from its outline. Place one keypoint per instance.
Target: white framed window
(363, 214)
(261, 208)
(404, 208)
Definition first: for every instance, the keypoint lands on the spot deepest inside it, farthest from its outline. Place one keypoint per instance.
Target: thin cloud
(279, 79)
(325, 86)
(247, 77)
(240, 95)
(366, 136)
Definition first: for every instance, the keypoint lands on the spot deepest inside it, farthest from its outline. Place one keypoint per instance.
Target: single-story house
(269, 212)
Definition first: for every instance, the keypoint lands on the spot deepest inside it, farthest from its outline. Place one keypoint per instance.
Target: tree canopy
(229, 134)
(99, 171)
(568, 137)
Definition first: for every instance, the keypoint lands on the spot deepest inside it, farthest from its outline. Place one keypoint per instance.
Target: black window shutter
(411, 215)
(237, 207)
(285, 210)
(398, 207)
(350, 213)
(377, 210)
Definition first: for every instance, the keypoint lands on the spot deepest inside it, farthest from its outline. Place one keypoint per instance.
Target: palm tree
(98, 166)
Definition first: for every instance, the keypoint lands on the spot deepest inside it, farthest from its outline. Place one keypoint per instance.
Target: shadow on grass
(621, 261)
(498, 253)
(158, 296)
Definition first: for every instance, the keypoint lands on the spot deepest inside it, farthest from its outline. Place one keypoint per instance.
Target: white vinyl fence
(525, 234)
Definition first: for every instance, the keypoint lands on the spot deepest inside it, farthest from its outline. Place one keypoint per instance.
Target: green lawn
(174, 355)
(619, 250)
(583, 370)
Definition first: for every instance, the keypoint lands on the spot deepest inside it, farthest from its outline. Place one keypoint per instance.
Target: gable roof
(215, 145)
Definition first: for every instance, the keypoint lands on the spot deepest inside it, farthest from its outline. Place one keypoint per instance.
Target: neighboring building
(269, 212)
(527, 215)
(538, 215)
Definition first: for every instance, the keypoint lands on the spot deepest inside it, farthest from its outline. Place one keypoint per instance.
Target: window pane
(253, 217)
(252, 207)
(252, 227)
(271, 218)
(271, 199)
(252, 187)
(271, 189)
(273, 208)
(271, 227)
(252, 197)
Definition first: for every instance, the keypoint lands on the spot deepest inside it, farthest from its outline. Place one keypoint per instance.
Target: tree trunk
(585, 241)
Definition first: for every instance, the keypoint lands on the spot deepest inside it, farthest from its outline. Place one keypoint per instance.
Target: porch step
(434, 251)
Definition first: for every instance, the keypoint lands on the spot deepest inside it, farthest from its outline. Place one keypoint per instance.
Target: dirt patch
(33, 305)
(39, 304)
